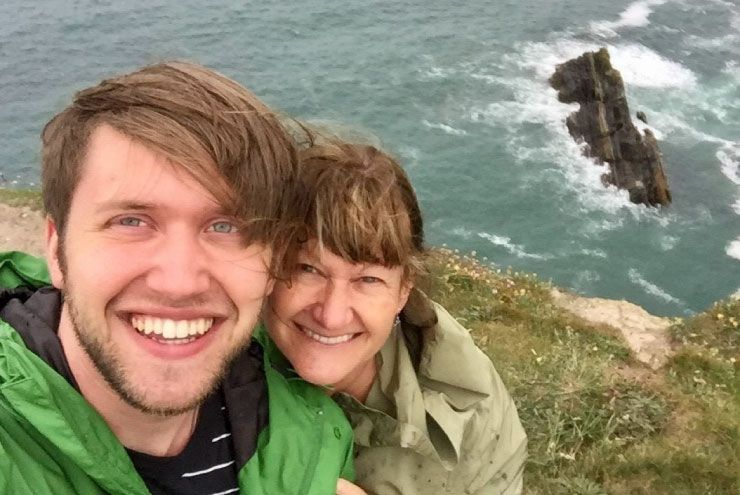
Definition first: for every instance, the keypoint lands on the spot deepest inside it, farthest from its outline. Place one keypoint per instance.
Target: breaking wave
(652, 289)
(635, 15)
(515, 249)
(445, 128)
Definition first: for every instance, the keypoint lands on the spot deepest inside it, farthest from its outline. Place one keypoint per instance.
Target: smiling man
(135, 372)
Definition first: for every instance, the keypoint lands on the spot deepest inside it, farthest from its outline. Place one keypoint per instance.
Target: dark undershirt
(205, 466)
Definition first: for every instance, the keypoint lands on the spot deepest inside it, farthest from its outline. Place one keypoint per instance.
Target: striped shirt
(205, 466)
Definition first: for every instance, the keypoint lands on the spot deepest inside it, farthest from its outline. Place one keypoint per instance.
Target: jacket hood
(35, 316)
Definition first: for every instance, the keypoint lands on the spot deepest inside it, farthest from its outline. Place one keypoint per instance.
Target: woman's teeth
(327, 340)
(165, 328)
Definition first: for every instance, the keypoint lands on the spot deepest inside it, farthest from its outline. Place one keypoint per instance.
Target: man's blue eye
(223, 227)
(370, 280)
(130, 221)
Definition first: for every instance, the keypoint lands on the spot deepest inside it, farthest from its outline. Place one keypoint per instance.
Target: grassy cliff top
(21, 197)
(598, 420)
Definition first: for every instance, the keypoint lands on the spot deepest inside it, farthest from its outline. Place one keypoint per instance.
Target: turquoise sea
(458, 91)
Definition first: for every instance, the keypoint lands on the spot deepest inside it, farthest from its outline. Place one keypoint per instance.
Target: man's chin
(168, 402)
(161, 398)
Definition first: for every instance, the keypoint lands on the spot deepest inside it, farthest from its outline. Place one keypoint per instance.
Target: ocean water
(458, 91)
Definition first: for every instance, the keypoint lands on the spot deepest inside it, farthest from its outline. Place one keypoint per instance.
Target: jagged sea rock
(641, 116)
(603, 122)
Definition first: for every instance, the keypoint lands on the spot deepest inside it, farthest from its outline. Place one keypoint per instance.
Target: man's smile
(169, 331)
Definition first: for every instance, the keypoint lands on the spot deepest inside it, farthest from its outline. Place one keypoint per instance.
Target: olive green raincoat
(438, 419)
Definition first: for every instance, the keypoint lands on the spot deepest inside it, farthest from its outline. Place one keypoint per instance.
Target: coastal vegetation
(599, 421)
(21, 197)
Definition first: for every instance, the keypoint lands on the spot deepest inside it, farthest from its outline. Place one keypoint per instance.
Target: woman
(429, 412)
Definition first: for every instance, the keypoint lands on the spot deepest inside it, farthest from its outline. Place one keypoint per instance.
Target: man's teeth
(327, 340)
(171, 329)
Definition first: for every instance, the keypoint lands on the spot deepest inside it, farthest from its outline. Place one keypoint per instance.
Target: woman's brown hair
(360, 205)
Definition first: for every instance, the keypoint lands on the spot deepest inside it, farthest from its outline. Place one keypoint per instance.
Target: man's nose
(333, 310)
(179, 266)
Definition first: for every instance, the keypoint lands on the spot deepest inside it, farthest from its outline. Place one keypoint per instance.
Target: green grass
(598, 421)
(21, 197)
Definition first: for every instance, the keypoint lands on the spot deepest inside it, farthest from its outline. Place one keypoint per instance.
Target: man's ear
(52, 254)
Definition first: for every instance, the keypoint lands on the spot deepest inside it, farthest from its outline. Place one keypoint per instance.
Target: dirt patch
(646, 335)
(21, 229)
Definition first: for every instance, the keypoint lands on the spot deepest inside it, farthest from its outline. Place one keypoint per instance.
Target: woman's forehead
(316, 253)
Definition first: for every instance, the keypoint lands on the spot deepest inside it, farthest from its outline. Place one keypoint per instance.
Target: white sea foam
(635, 15)
(668, 242)
(639, 65)
(462, 232)
(652, 289)
(732, 69)
(489, 78)
(733, 249)
(534, 103)
(594, 228)
(515, 249)
(723, 3)
(438, 72)
(736, 206)
(445, 128)
(729, 158)
(673, 124)
(710, 43)
(642, 67)
(596, 253)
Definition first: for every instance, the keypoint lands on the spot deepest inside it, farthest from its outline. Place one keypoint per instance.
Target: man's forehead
(119, 170)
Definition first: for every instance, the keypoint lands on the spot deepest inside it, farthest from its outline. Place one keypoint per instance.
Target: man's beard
(107, 363)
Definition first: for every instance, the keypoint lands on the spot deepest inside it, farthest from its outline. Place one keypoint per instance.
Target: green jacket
(52, 441)
(438, 419)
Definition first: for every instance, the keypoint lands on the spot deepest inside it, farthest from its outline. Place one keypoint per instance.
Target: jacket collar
(36, 394)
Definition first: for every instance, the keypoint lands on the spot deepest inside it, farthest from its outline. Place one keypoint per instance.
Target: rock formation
(603, 122)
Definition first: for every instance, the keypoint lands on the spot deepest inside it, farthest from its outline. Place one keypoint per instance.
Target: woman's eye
(223, 227)
(306, 268)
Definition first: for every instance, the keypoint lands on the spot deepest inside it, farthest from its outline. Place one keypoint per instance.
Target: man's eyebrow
(124, 205)
(127, 205)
